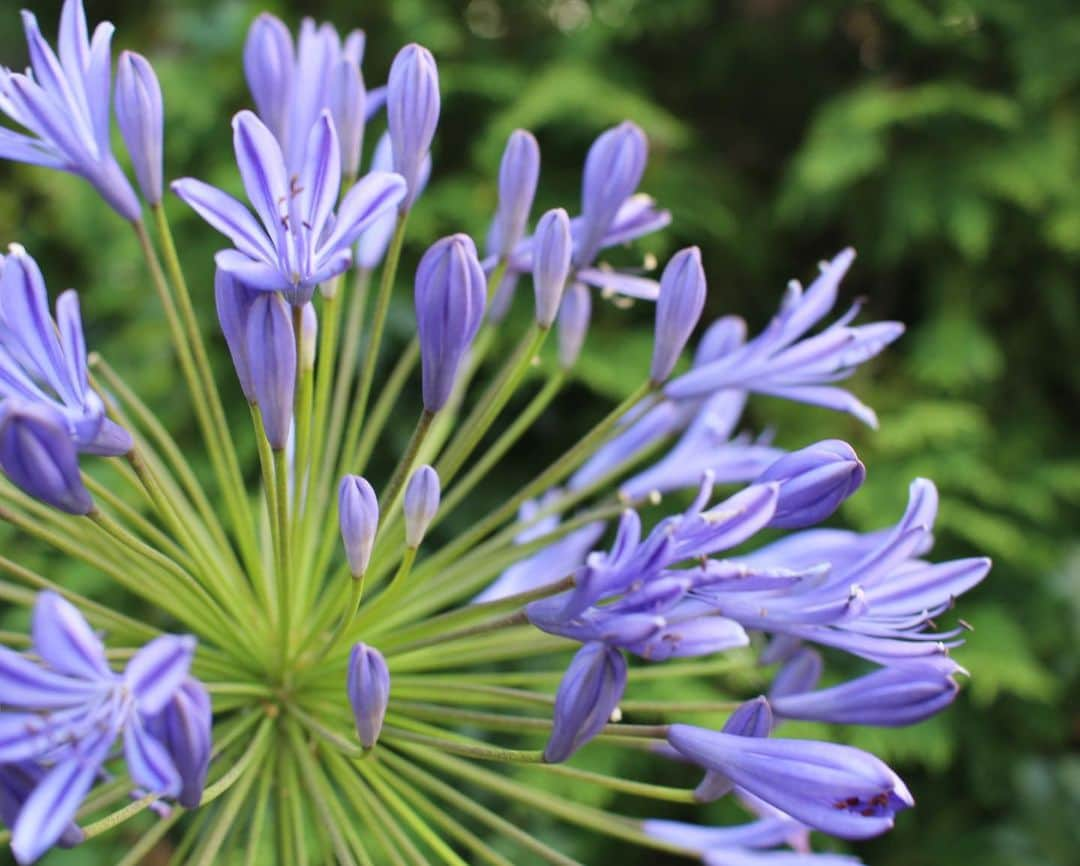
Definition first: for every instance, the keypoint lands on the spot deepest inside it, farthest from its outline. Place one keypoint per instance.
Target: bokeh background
(941, 139)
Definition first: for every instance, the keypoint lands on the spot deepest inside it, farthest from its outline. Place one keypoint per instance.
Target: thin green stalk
(392, 491)
(150, 839)
(491, 403)
(133, 518)
(389, 392)
(320, 796)
(410, 818)
(206, 402)
(578, 814)
(469, 806)
(284, 570)
(269, 484)
(259, 811)
(305, 396)
(440, 819)
(507, 439)
(360, 797)
(395, 733)
(378, 323)
(161, 437)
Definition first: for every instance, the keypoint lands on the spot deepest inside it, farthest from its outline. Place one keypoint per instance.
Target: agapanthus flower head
(293, 85)
(140, 115)
(64, 104)
(412, 113)
(66, 712)
(305, 237)
(289, 600)
(450, 293)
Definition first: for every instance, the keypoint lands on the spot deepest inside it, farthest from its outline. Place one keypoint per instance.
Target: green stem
(394, 734)
(388, 394)
(492, 402)
(284, 568)
(378, 323)
(389, 499)
(523, 422)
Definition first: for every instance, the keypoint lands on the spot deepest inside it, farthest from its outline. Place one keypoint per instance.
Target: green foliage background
(941, 139)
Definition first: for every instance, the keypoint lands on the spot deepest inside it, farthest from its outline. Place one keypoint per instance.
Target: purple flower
(358, 514)
(450, 294)
(270, 345)
(302, 241)
(292, 88)
(589, 692)
(183, 727)
(140, 116)
(836, 789)
(412, 113)
(574, 317)
(779, 363)
(68, 711)
(678, 308)
(552, 563)
(798, 674)
(708, 445)
(813, 482)
(43, 361)
(890, 697)
(613, 170)
(518, 174)
(18, 780)
(551, 264)
(421, 504)
(369, 692)
(63, 102)
(38, 456)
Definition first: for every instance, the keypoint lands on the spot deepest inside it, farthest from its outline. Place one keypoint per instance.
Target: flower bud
(358, 514)
(798, 674)
(450, 294)
(613, 170)
(348, 105)
(184, 728)
(268, 66)
(309, 335)
(271, 352)
(234, 300)
(678, 308)
(552, 246)
(421, 504)
(573, 324)
(723, 336)
(369, 691)
(750, 719)
(813, 482)
(38, 456)
(589, 692)
(518, 174)
(141, 119)
(412, 113)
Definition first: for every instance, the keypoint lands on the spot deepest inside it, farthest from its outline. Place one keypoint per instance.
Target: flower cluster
(345, 677)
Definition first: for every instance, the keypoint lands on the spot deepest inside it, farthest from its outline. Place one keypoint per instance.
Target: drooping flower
(64, 104)
(302, 240)
(837, 789)
(588, 694)
(813, 482)
(68, 711)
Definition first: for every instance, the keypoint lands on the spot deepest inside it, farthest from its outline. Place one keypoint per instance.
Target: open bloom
(302, 240)
(63, 102)
(66, 713)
